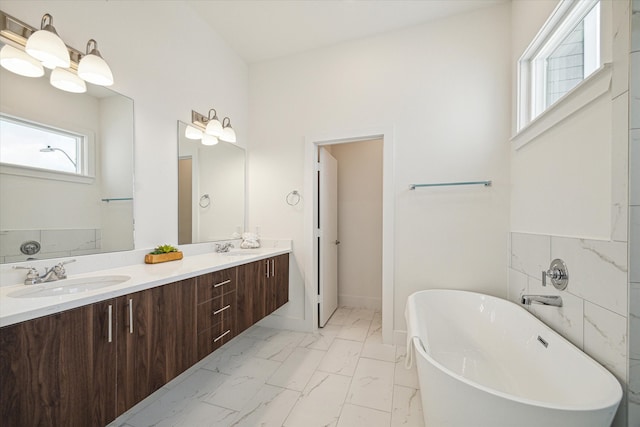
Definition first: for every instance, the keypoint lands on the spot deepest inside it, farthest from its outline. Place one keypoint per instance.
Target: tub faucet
(223, 247)
(553, 300)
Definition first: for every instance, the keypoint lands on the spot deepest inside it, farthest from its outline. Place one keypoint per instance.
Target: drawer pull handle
(130, 316)
(221, 310)
(110, 323)
(222, 336)
(222, 283)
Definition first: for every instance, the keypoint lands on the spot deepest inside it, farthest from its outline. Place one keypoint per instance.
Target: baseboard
(360, 302)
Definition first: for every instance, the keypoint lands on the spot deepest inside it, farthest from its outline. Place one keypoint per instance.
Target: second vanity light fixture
(209, 128)
(44, 48)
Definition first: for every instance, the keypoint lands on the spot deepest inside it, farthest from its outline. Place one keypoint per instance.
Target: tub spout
(553, 300)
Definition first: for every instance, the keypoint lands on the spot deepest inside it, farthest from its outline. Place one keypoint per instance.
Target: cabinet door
(281, 279)
(250, 294)
(60, 369)
(158, 330)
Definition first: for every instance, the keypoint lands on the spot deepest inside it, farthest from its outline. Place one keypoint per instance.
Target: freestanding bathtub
(486, 362)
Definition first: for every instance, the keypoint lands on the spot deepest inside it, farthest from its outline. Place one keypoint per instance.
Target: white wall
(169, 62)
(359, 223)
(569, 200)
(442, 88)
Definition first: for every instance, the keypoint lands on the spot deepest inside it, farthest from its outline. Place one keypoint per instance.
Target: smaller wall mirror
(211, 190)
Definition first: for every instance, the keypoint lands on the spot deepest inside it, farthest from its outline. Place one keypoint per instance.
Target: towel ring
(293, 198)
(205, 201)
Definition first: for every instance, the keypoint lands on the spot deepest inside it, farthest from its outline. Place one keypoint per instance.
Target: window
(563, 54)
(32, 145)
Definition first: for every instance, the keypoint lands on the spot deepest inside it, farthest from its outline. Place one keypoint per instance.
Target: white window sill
(45, 174)
(587, 91)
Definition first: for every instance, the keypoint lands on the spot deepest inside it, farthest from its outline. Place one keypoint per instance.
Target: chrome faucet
(223, 247)
(552, 300)
(57, 272)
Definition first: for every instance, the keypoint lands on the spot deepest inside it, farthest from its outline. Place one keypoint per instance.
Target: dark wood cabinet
(263, 287)
(157, 339)
(251, 294)
(216, 308)
(86, 366)
(60, 369)
(280, 279)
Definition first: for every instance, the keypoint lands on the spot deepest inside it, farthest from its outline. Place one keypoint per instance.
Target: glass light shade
(214, 127)
(192, 133)
(228, 134)
(17, 61)
(67, 81)
(209, 139)
(94, 69)
(47, 47)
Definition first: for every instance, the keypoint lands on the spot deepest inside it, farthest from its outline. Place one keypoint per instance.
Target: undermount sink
(68, 286)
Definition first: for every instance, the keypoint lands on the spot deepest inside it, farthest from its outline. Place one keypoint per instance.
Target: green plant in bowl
(164, 249)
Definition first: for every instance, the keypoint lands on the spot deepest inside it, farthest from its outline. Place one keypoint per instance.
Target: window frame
(531, 71)
(84, 154)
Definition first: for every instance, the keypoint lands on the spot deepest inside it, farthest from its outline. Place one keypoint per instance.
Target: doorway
(312, 261)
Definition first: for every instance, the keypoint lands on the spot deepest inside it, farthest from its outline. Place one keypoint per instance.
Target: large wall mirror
(66, 170)
(211, 190)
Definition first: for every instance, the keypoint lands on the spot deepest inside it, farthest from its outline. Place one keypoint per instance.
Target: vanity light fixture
(46, 45)
(209, 129)
(228, 134)
(66, 80)
(45, 48)
(193, 133)
(209, 139)
(93, 68)
(214, 127)
(17, 61)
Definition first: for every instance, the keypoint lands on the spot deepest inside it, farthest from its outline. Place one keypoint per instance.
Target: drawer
(217, 310)
(213, 338)
(212, 285)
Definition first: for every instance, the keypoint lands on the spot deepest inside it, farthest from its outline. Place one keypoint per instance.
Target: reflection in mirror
(210, 190)
(66, 170)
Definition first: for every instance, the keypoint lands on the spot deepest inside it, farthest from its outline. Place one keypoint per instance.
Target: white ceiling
(259, 30)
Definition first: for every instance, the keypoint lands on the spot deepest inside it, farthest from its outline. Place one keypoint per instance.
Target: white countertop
(143, 276)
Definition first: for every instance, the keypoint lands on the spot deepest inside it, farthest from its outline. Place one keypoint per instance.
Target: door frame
(312, 142)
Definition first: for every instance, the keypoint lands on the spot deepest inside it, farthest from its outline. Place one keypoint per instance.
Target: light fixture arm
(215, 115)
(47, 23)
(94, 50)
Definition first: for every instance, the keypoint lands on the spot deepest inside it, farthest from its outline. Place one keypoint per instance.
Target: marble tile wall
(594, 312)
(634, 219)
(53, 243)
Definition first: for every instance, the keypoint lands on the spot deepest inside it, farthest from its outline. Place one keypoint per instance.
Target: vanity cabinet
(216, 310)
(157, 339)
(263, 287)
(86, 366)
(60, 369)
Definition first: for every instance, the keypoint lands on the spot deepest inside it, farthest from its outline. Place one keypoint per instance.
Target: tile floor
(341, 375)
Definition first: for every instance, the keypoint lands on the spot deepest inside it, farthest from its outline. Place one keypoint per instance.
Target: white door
(328, 236)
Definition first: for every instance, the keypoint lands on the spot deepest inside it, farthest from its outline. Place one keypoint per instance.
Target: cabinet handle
(222, 336)
(273, 268)
(110, 323)
(222, 283)
(131, 316)
(221, 310)
(267, 264)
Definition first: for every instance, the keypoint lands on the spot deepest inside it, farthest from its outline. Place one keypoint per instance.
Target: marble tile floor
(341, 375)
